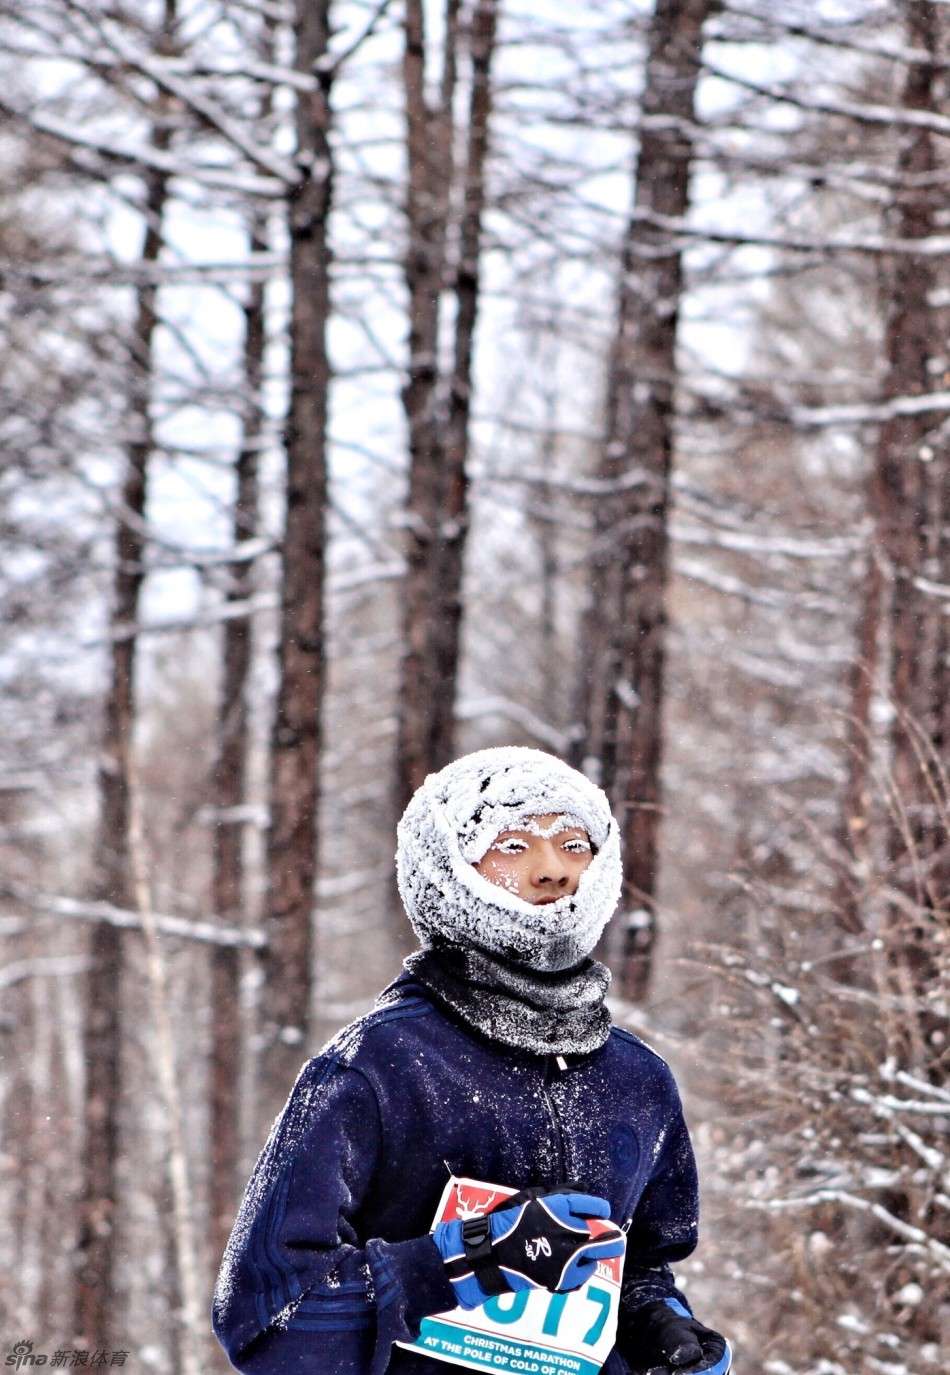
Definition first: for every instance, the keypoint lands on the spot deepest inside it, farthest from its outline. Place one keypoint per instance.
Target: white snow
(450, 823)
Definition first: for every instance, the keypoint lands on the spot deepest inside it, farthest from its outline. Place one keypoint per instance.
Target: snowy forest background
(381, 379)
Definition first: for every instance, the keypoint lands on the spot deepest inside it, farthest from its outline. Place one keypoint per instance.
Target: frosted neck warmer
(547, 1014)
(451, 822)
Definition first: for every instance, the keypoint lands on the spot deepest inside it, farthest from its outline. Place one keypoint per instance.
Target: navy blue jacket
(330, 1261)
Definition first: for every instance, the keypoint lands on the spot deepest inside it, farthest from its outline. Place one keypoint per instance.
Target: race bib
(533, 1332)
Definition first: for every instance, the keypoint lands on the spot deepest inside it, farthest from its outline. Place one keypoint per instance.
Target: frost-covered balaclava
(451, 822)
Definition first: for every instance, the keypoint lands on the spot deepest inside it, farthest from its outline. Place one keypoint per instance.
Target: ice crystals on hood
(449, 825)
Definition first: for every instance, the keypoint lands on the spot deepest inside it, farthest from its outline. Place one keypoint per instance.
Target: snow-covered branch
(205, 932)
(345, 885)
(681, 233)
(265, 159)
(269, 73)
(914, 1082)
(256, 267)
(204, 620)
(888, 116)
(372, 24)
(766, 27)
(42, 967)
(890, 1105)
(170, 553)
(348, 579)
(732, 586)
(748, 542)
(475, 708)
(344, 581)
(137, 159)
(869, 413)
(577, 486)
(931, 588)
(916, 1235)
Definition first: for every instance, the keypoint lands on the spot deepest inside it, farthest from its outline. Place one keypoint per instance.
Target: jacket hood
(450, 823)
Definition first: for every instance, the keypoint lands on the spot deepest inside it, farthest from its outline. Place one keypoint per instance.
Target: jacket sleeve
(664, 1228)
(298, 1290)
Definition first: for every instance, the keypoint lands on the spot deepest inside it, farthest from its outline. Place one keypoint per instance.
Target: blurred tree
(96, 1259)
(910, 491)
(444, 208)
(296, 734)
(776, 340)
(229, 777)
(50, 361)
(621, 660)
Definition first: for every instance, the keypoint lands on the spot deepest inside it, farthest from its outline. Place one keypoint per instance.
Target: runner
(491, 1060)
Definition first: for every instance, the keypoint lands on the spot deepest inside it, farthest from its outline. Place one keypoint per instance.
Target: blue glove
(539, 1239)
(663, 1336)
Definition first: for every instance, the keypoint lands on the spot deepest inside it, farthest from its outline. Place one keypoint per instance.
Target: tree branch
(205, 932)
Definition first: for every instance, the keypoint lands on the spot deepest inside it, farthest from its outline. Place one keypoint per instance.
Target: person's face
(541, 863)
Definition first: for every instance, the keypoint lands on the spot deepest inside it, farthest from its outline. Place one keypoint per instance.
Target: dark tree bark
(425, 716)
(621, 674)
(910, 500)
(437, 401)
(296, 740)
(455, 503)
(112, 879)
(229, 784)
(229, 778)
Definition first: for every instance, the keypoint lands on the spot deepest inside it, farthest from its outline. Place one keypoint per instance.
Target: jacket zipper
(555, 1122)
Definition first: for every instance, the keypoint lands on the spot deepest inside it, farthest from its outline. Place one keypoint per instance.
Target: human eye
(577, 845)
(511, 845)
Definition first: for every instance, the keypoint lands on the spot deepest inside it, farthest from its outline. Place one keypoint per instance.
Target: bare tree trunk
(910, 499)
(229, 785)
(427, 687)
(102, 1034)
(295, 744)
(112, 881)
(438, 406)
(230, 769)
(189, 1335)
(447, 613)
(621, 676)
(437, 401)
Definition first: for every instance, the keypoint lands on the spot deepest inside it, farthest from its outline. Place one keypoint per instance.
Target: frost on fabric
(277, 1158)
(560, 1013)
(280, 1146)
(284, 1316)
(367, 1274)
(450, 823)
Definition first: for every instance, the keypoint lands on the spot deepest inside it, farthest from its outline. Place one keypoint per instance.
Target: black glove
(537, 1239)
(664, 1336)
